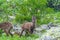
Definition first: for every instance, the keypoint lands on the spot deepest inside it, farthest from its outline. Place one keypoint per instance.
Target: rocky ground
(45, 32)
(52, 33)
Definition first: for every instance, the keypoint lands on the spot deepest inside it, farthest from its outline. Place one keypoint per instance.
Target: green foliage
(24, 9)
(16, 37)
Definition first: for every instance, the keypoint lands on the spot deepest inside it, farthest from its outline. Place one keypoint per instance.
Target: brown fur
(28, 26)
(6, 26)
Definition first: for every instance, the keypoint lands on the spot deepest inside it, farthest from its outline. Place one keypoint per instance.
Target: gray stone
(47, 38)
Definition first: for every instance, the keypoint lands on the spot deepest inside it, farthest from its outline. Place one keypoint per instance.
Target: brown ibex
(6, 26)
(29, 26)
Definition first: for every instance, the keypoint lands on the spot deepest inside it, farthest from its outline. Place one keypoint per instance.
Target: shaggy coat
(6, 26)
(29, 26)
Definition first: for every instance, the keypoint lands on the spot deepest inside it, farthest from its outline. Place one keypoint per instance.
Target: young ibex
(6, 26)
(29, 26)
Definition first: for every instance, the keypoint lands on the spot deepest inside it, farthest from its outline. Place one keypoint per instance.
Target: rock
(52, 34)
(38, 29)
(44, 26)
(52, 25)
(46, 38)
(17, 28)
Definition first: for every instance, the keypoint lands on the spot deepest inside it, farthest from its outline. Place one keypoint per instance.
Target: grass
(16, 37)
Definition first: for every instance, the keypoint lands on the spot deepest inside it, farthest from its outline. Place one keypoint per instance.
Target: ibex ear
(33, 17)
